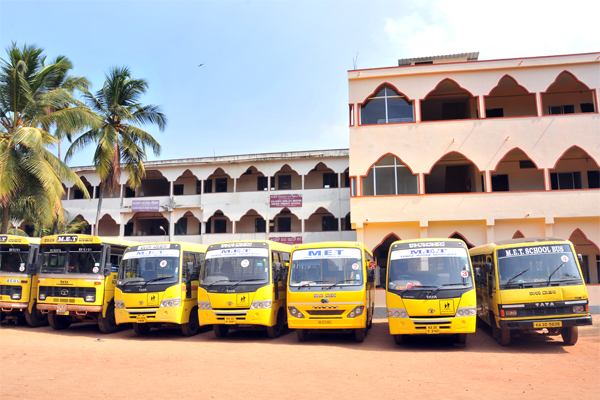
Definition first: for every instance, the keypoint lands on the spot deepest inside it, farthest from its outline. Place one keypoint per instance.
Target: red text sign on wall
(287, 240)
(145, 205)
(286, 200)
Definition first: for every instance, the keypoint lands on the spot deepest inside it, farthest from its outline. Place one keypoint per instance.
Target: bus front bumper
(165, 315)
(235, 317)
(68, 308)
(8, 307)
(326, 323)
(424, 326)
(549, 323)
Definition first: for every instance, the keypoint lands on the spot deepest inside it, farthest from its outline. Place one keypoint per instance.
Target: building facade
(289, 197)
(450, 146)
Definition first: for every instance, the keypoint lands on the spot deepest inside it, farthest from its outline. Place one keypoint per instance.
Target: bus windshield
(324, 267)
(537, 263)
(75, 259)
(429, 268)
(150, 266)
(223, 266)
(13, 259)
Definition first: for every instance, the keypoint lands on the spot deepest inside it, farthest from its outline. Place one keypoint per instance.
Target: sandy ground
(73, 364)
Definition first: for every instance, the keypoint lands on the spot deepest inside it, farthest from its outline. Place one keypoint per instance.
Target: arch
(77, 194)
(218, 182)
(385, 155)
(510, 151)
(285, 221)
(381, 252)
(147, 224)
(589, 253)
(563, 77)
(186, 184)
(516, 171)
(188, 224)
(509, 99)
(571, 148)
(251, 180)
(321, 176)
(321, 221)
(453, 173)
(219, 223)
(457, 235)
(154, 184)
(251, 222)
(579, 231)
(518, 235)
(442, 82)
(286, 178)
(108, 226)
(394, 181)
(381, 86)
(568, 95)
(346, 223)
(381, 108)
(449, 101)
(573, 171)
(505, 78)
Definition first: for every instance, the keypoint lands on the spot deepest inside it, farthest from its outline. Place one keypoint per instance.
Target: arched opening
(381, 252)
(147, 224)
(187, 225)
(386, 106)
(448, 101)
(107, 226)
(567, 95)
(321, 221)
(509, 99)
(457, 235)
(345, 181)
(321, 177)
(218, 182)
(251, 181)
(589, 256)
(454, 173)
(219, 223)
(187, 184)
(251, 222)
(516, 172)
(518, 235)
(346, 223)
(390, 176)
(575, 170)
(153, 184)
(77, 194)
(285, 221)
(286, 179)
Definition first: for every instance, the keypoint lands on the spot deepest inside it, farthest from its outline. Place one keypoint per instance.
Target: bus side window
(196, 274)
(491, 275)
(285, 267)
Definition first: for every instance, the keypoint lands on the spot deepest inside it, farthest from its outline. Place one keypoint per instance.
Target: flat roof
(473, 56)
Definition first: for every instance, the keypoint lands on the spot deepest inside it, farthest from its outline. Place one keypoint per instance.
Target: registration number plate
(433, 329)
(62, 309)
(549, 324)
(230, 320)
(140, 319)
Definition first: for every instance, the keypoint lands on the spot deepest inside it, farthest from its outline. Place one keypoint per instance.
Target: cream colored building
(292, 197)
(449, 146)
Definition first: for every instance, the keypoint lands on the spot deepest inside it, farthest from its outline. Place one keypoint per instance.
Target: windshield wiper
(419, 287)
(344, 281)
(308, 283)
(516, 276)
(128, 282)
(158, 279)
(553, 272)
(446, 285)
(220, 280)
(245, 280)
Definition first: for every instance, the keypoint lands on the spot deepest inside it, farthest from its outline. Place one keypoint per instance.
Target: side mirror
(488, 267)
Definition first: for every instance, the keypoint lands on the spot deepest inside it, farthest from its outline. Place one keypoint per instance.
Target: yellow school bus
(77, 279)
(19, 258)
(158, 286)
(530, 284)
(242, 286)
(430, 290)
(331, 288)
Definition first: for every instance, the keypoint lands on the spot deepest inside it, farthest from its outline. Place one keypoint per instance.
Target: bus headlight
(260, 304)
(16, 296)
(119, 304)
(578, 308)
(204, 305)
(42, 296)
(397, 313)
(469, 311)
(170, 303)
(294, 312)
(90, 298)
(358, 310)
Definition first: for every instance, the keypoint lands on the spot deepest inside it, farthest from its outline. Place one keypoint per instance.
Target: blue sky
(275, 72)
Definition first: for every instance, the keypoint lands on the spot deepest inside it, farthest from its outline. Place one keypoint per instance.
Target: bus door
(490, 288)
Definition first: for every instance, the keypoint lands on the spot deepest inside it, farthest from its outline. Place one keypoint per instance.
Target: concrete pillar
(171, 188)
(547, 184)
(421, 183)
(423, 225)
(93, 194)
(489, 231)
(171, 220)
(417, 110)
(488, 182)
(302, 182)
(232, 226)
(68, 193)
(235, 185)
(481, 103)
(538, 103)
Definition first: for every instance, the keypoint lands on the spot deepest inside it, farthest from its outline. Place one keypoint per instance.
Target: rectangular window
(499, 183)
(284, 224)
(260, 225)
(346, 179)
(353, 187)
(593, 179)
(284, 181)
(494, 112)
(329, 223)
(177, 190)
(565, 180)
(351, 114)
(330, 180)
(220, 226)
(208, 186)
(181, 227)
(567, 109)
(587, 107)
(220, 185)
(262, 183)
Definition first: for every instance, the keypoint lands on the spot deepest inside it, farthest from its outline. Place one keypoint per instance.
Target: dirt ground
(74, 364)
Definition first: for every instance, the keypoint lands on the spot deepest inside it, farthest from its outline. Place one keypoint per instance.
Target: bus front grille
(325, 312)
(541, 311)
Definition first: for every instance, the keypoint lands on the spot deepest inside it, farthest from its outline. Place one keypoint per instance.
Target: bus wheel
(58, 322)
(502, 335)
(359, 334)
(399, 339)
(108, 324)
(302, 335)
(191, 328)
(141, 329)
(36, 318)
(570, 335)
(220, 330)
(460, 339)
(275, 330)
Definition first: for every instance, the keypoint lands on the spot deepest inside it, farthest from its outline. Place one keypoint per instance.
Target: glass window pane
(407, 182)
(373, 112)
(399, 110)
(390, 91)
(565, 181)
(367, 184)
(385, 181)
(380, 92)
(387, 160)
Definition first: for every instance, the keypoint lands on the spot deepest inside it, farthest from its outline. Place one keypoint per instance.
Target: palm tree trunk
(4, 229)
(101, 195)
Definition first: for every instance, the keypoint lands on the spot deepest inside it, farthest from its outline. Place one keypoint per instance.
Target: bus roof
(272, 244)
(330, 244)
(14, 239)
(184, 245)
(488, 248)
(85, 239)
(428, 240)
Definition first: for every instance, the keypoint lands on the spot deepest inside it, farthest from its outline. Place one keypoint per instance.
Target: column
(538, 103)
(421, 183)
(93, 194)
(488, 182)
(233, 224)
(417, 110)
(549, 225)
(481, 103)
(489, 231)
(547, 185)
(423, 225)
(235, 185)
(171, 188)
(302, 182)
(121, 227)
(68, 193)
(171, 220)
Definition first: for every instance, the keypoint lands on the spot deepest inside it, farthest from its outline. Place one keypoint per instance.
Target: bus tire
(141, 329)
(220, 330)
(36, 319)
(58, 322)
(399, 339)
(191, 327)
(359, 334)
(108, 324)
(570, 335)
(275, 331)
(460, 339)
(302, 335)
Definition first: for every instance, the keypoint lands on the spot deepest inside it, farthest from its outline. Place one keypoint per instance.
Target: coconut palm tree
(27, 167)
(120, 145)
